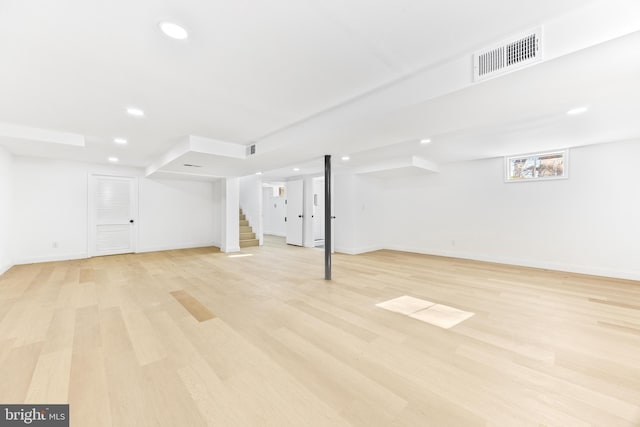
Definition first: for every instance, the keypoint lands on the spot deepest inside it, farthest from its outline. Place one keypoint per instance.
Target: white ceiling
(283, 71)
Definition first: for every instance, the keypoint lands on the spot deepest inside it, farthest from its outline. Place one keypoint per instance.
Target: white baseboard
(4, 268)
(67, 257)
(275, 234)
(176, 247)
(581, 269)
(230, 250)
(357, 251)
(51, 258)
(570, 268)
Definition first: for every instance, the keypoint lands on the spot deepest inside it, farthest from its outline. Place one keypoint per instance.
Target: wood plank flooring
(196, 338)
(193, 306)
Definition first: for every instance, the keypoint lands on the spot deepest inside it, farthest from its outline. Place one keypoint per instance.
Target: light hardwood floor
(194, 338)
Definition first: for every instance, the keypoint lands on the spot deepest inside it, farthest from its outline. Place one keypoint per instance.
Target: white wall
(274, 211)
(359, 208)
(178, 214)
(6, 180)
(50, 205)
(216, 235)
(588, 223)
(251, 203)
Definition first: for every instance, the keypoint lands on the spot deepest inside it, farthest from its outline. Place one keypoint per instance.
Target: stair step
(244, 222)
(246, 229)
(247, 236)
(243, 216)
(249, 242)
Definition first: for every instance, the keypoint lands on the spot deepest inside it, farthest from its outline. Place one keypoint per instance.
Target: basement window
(537, 166)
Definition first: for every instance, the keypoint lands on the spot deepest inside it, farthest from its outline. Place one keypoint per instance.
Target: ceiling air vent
(508, 56)
(251, 150)
(189, 165)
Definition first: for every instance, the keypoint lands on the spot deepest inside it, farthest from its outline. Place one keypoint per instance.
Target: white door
(294, 194)
(112, 214)
(318, 209)
(333, 218)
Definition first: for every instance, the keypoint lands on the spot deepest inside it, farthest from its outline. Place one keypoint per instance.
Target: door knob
(131, 221)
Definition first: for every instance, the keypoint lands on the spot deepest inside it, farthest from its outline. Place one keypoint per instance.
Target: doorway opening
(274, 211)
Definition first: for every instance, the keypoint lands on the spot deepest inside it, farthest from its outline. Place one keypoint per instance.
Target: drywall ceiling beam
(176, 151)
(199, 144)
(593, 24)
(425, 164)
(401, 163)
(9, 130)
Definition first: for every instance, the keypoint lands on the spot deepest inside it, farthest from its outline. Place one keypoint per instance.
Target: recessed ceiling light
(113, 159)
(258, 173)
(174, 31)
(296, 169)
(576, 111)
(120, 141)
(345, 158)
(135, 111)
(425, 141)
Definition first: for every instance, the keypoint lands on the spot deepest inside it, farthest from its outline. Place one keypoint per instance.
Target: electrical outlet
(55, 245)
(453, 243)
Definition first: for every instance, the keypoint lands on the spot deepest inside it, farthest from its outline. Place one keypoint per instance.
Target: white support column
(307, 223)
(230, 227)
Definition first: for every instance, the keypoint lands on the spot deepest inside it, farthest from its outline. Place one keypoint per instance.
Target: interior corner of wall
(229, 249)
(4, 268)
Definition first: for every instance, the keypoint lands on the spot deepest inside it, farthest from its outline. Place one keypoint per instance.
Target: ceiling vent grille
(508, 56)
(251, 150)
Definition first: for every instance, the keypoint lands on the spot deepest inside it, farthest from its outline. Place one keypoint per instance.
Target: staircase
(247, 236)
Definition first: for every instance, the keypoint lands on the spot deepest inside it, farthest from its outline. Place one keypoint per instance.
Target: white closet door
(114, 206)
(294, 193)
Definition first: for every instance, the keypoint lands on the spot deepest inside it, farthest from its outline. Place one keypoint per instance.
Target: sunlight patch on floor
(426, 311)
